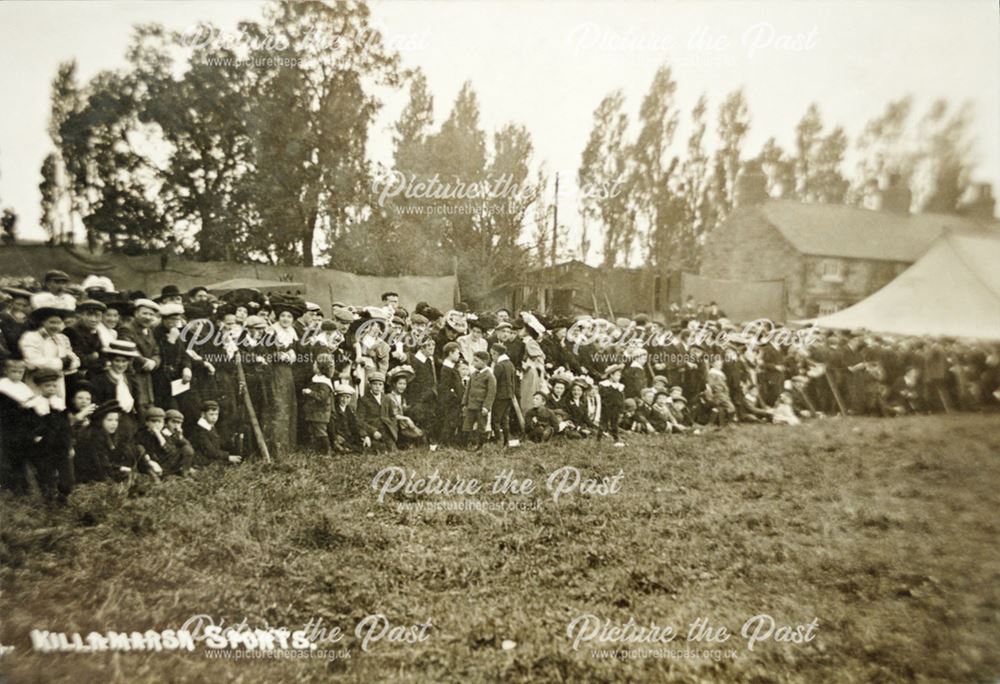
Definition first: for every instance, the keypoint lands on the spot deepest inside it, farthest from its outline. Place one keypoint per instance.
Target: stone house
(829, 256)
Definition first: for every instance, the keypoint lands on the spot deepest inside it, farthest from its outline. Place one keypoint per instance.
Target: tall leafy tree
(779, 168)
(883, 150)
(943, 158)
(602, 179)
(733, 125)
(310, 122)
(202, 117)
(652, 166)
(818, 176)
(112, 183)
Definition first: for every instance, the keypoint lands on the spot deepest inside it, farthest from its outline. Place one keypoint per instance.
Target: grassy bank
(883, 530)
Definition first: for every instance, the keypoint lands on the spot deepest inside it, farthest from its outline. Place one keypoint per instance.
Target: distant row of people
(106, 385)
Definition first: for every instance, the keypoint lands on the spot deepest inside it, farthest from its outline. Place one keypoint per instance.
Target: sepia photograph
(500, 341)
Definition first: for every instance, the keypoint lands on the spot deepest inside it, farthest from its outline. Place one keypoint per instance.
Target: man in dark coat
(140, 331)
(421, 391)
(503, 403)
(84, 338)
(449, 396)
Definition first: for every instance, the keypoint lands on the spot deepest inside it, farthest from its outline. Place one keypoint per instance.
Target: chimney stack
(979, 203)
(751, 185)
(897, 198)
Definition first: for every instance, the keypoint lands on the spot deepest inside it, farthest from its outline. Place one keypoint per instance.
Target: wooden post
(836, 394)
(555, 223)
(248, 404)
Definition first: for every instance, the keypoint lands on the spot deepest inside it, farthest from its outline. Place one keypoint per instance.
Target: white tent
(953, 290)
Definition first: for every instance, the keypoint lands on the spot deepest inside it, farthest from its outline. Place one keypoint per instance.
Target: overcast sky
(547, 65)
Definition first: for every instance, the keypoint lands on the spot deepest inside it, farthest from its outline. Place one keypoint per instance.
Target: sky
(547, 65)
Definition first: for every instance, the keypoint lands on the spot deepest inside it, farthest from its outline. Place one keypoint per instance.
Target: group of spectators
(100, 385)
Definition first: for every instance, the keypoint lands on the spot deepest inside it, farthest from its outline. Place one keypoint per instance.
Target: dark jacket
(208, 446)
(100, 455)
(317, 405)
(481, 390)
(503, 370)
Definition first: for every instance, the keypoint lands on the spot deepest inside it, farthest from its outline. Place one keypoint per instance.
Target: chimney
(897, 198)
(872, 196)
(978, 203)
(751, 185)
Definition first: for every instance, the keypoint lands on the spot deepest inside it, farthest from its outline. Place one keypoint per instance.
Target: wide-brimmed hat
(17, 293)
(55, 274)
(122, 307)
(104, 409)
(172, 309)
(42, 313)
(404, 371)
(96, 282)
(613, 367)
(122, 348)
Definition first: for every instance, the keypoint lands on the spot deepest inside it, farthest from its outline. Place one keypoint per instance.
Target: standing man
(56, 293)
(85, 338)
(449, 396)
(390, 300)
(140, 331)
(503, 371)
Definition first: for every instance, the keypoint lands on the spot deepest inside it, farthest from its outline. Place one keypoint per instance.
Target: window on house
(827, 308)
(832, 270)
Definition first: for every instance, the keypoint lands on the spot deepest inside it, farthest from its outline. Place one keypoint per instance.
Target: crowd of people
(104, 386)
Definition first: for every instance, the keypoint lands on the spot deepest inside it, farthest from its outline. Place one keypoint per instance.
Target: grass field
(885, 531)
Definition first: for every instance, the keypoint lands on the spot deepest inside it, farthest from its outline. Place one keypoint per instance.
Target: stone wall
(748, 248)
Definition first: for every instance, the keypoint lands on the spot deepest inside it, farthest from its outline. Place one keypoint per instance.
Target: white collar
(204, 423)
(18, 391)
(502, 357)
(323, 380)
(448, 363)
(420, 356)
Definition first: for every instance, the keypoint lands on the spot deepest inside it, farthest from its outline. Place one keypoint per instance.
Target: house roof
(838, 230)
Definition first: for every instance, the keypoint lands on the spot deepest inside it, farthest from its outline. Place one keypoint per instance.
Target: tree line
(218, 150)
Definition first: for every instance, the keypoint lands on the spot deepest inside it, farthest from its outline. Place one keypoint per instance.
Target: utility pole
(555, 222)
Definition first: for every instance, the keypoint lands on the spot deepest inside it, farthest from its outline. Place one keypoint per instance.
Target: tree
(882, 149)
(310, 123)
(734, 123)
(779, 169)
(65, 103)
(693, 192)
(202, 116)
(943, 160)
(49, 191)
(602, 177)
(111, 184)
(651, 167)
(817, 167)
(8, 224)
